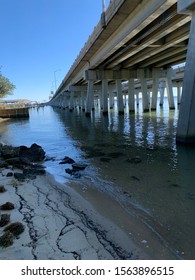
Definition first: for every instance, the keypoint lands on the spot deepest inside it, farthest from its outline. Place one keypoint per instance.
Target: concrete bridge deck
(132, 35)
(134, 39)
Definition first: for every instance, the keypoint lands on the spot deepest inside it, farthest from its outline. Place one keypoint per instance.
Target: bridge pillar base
(111, 99)
(186, 124)
(119, 97)
(131, 96)
(71, 108)
(145, 103)
(169, 87)
(90, 98)
(87, 114)
(105, 96)
(137, 98)
(83, 101)
(155, 86)
(178, 95)
(162, 92)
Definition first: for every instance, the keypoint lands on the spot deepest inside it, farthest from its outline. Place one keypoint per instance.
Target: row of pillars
(186, 122)
(85, 100)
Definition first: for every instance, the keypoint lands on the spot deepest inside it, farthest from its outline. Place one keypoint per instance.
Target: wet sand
(60, 224)
(68, 222)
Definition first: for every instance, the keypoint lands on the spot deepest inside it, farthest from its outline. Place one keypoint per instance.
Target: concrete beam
(185, 6)
(122, 74)
(77, 88)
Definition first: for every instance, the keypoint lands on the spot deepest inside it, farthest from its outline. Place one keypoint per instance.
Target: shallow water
(133, 158)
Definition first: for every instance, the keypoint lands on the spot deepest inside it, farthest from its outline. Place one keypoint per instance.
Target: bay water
(132, 158)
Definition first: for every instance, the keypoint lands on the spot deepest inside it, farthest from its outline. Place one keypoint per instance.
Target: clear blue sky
(39, 37)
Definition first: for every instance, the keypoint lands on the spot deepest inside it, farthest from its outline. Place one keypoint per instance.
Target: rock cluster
(25, 159)
(76, 167)
(21, 154)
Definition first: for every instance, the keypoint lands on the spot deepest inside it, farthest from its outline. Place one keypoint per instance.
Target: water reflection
(133, 157)
(161, 182)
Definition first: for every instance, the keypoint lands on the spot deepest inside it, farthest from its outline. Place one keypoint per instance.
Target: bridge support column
(178, 95)
(83, 101)
(79, 101)
(64, 101)
(60, 101)
(186, 123)
(169, 87)
(105, 96)
(57, 101)
(137, 98)
(131, 96)
(111, 89)
(162, 92)
(145, 102)
(111, 99)
(90, 98)
(71, 105)
(119, 97)
(155, 86)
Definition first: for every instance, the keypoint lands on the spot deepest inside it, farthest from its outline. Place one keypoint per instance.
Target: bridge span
(136, 41)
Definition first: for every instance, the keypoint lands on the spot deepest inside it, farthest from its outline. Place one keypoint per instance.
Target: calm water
(133, 158)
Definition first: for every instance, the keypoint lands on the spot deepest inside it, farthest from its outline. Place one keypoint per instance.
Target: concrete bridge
(136, 41)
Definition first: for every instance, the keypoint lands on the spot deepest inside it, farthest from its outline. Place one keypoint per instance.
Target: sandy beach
(70, 221)
(59, 224)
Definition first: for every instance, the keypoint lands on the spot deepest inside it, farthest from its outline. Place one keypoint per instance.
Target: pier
(14, 113)
(133, 50)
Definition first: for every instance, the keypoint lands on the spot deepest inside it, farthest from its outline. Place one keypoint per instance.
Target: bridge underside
(134, 40)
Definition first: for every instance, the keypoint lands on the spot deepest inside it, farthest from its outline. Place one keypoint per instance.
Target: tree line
(6, 87)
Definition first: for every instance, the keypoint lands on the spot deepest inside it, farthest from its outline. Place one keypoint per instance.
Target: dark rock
(15, 228)
(20, 156)
(6, 239)
(78, 166)
(33, 171)
(47, 158)
(69, 171)
(9, 174)
(5, 219)
(3, 164)
(33, 154)
(7, 206)
(67, 160)
(127, 194)
(2, 189)
(135, 178)
(73, 173)
(20, 176)
(9, 152)
(14, 161)
(76, 175)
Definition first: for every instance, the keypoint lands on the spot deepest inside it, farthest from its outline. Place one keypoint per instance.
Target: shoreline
(67, 220)
(63, 222)
(60, 224)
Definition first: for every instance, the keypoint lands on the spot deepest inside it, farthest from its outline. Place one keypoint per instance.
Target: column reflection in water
(132, 157)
